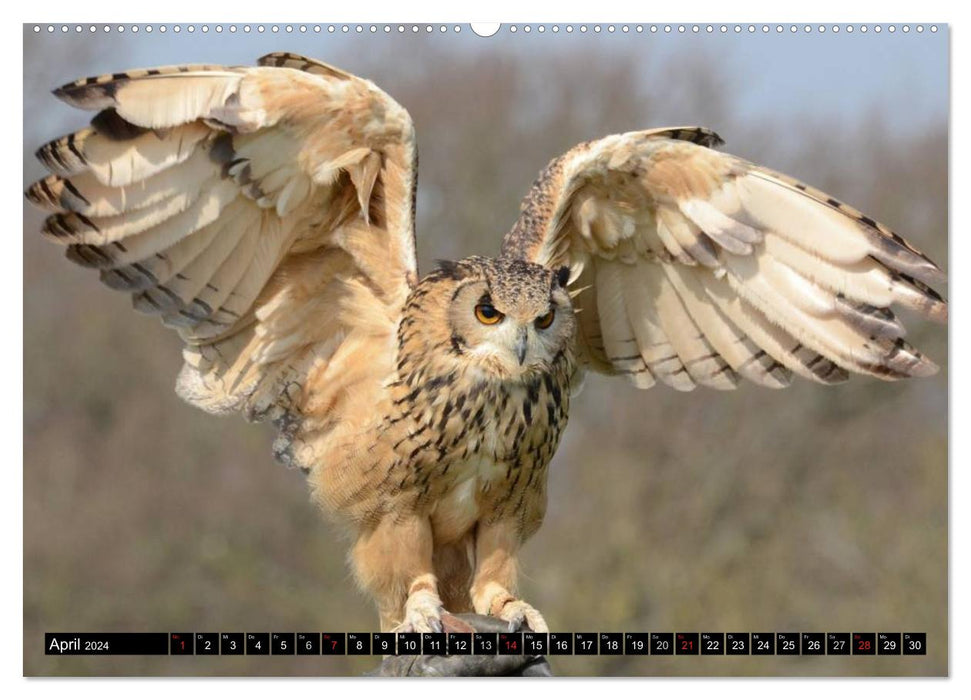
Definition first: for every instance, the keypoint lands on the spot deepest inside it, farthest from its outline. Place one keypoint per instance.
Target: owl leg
(393, 562)
(494, 582)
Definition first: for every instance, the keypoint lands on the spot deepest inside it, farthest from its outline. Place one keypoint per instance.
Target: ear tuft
(450, 268)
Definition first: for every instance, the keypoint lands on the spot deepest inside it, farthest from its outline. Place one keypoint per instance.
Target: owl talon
(515, 612)
(423, 613)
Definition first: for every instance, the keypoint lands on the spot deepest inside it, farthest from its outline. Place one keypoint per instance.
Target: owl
(267, 214)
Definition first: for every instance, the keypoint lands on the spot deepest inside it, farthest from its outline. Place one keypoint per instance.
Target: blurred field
(812, 509)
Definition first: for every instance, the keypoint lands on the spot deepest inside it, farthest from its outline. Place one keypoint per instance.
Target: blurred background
(811, 509)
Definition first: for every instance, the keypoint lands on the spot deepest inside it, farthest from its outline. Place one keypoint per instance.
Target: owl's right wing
(266, 213)
(692, 267)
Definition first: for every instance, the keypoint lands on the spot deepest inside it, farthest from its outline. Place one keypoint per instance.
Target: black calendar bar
(106, 643)
(683, 644)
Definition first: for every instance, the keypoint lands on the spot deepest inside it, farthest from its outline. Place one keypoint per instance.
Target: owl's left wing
(690, 266)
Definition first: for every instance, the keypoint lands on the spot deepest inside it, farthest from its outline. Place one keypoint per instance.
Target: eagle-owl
(267, 214)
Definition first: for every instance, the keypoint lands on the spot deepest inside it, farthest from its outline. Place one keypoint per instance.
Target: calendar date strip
(478, 643)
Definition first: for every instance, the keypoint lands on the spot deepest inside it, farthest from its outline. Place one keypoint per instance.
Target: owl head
(506, 316)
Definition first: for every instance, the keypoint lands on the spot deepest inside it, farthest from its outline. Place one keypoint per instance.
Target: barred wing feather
(264, 212)
(692, 267)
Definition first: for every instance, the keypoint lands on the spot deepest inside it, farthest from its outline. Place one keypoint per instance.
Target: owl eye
(487, 314)
(546, 320)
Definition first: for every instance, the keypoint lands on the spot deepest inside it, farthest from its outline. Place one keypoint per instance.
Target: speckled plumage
(467, 415)
(453, 444)
(440, 413)
(267, 214)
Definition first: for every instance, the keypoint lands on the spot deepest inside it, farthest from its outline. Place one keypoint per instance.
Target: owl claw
(515, 612)
(423, 613)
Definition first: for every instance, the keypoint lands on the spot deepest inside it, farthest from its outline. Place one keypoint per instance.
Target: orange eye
(546, 320)
(487, 314)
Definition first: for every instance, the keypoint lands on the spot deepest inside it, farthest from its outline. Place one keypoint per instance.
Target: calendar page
(646, 374)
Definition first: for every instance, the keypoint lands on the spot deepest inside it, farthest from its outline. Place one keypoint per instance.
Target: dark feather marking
(418, 449)
(121, 273)
(228, 312)
(83, 253)
(52, 150)
(70, 144)
(111, 125)
(47, 190)
(457, 344)
(922, 287)
(148, 274)
(184, 313)
(74, 190)
(451, 269)
(704, 358)
(625, 358)
(148, 297)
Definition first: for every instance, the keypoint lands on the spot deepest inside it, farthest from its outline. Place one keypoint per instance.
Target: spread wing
(266, 213)
(691, 267)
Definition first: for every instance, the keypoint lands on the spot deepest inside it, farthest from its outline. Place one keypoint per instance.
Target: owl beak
(521, 345)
